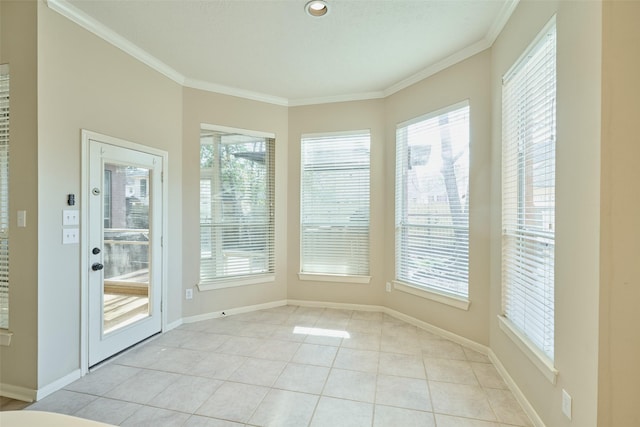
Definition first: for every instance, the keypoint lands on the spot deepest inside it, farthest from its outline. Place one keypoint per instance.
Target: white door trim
(84, 241)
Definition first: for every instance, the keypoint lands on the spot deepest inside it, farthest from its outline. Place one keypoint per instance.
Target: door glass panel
(125, 246)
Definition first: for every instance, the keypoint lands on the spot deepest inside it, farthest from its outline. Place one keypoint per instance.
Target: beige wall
(619, 379)
(18, 47)
(577, 208)
(221, 110)
(338, 117)
(468, 80)
(86, 83)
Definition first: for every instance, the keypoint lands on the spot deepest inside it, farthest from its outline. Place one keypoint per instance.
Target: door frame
(86, 136)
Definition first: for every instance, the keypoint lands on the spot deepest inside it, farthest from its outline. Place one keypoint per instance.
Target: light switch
(22, 219)
(70, 217)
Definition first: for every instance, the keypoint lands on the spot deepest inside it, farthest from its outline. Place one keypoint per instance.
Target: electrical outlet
(70, 217)
(188, 294)
(70, 236)
(388, 287)
(566, 404)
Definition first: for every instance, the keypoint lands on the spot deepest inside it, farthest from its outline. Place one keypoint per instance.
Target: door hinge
(161, 176)
(162, 241)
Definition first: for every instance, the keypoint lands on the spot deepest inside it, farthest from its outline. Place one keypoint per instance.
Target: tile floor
(294, 366)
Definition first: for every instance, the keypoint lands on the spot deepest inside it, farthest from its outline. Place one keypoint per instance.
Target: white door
(124, 245)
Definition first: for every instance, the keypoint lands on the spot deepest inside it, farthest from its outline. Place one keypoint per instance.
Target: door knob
(97, 266)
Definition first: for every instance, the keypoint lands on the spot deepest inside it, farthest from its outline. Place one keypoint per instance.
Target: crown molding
(232, 91)
(74, 14)
(66, 9)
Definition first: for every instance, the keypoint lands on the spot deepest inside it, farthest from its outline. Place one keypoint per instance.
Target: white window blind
(4, 197)
(236, 205)
(432, 201)
(528, 192)
(335, 204)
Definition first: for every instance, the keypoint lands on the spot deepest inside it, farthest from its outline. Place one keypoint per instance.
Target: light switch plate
(70, 236)
(70, 217)
(566, 404)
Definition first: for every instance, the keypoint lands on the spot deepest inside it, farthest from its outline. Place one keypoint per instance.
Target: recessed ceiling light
(317, 8)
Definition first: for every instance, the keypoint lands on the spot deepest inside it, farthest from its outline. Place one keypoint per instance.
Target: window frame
(333, 276)
(221, 282)
(525, 149)
(5, 335)
(456, 300)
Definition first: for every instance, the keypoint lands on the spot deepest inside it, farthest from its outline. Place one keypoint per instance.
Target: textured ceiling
(272, 50)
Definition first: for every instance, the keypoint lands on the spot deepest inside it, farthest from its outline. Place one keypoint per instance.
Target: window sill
(5, 337)
(341, 278)
(235, 282)
(539, 359)
(453, 301)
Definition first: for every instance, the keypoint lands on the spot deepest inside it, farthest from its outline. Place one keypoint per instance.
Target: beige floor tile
(408, 393)
(339, 412)
(402, 365)
(488, 375)
(258, 372)
(178, 360)
(276, 350)
(450, 371)
(399, 344)
(323, 340)
(281, 408)
(357, 360)
(155, 417)
(449, 421)
(366, 326)
(474, 356)
(240, 346)
(370, 316)
(507, 408)
(143, 386)
(108, 411)
(200, 421)
(351, 385)
(141, 356)
(103, 379)
(314, 354)
(176, 337)
(63, 402)
(185, 394)
(218, 366)
(385, 416)
(362, 341)
(285, 333)
(302, 378)
(461, 400)
(205, 342)
(443, 349)
(233, 402)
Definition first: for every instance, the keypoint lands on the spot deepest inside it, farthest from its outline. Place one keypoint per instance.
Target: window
(432, 202)
(335, 204)
(528, 193)
(236, 205)
(4, 196)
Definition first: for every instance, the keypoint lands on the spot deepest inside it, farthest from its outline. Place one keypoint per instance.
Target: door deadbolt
(95, 251)
(95, 191)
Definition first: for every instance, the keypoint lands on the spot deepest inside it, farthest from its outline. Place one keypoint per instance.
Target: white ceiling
(271, 50)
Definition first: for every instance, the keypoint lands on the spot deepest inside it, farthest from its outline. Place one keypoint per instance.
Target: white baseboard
(173, 325)
(58, 384)
(18, 393)
(232, 311)
(517, 393)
